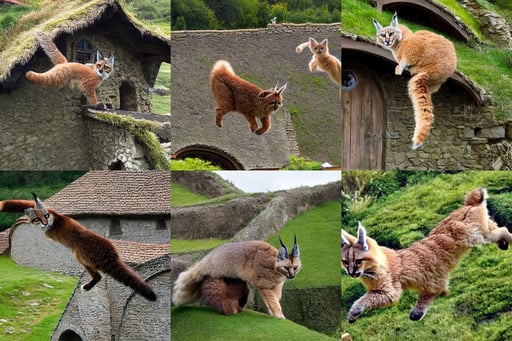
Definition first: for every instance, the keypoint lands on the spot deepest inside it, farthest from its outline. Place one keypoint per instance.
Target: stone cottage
(308, 124)
(46, 128)
(378, 120)
(133, 209)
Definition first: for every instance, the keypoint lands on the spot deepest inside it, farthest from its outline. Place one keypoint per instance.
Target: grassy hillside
(31, 301)
(479, 304)
(487, 65)
(248, 325)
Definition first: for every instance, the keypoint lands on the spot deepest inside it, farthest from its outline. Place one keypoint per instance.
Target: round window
(348, 80)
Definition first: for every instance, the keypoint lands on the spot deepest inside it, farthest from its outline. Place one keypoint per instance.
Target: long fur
(94, 252)
(233, 93)
(425, 266)
(82, 77)
(256, 263)
(431, 60)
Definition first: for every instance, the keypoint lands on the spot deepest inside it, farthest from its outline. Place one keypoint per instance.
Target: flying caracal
(233, 93)
(431, 60)
(82, 77)
(256, 263)
(322, 60)
(94, 252)
(424, 266)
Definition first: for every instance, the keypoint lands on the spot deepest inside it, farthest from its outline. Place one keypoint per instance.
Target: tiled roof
(138, 253)
(115, 193)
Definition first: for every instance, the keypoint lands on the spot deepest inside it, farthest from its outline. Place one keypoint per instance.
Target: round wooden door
(363, 120)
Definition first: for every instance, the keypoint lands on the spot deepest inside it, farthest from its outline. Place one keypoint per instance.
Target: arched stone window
(83, 52)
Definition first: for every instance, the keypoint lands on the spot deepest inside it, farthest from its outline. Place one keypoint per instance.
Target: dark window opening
(115, 228)
(161, 225)
(128, 96)
(83, 52)
(69, 335)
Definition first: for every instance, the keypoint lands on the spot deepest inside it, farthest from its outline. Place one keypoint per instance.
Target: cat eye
(36, 220)
(344, 261)
(358, 261)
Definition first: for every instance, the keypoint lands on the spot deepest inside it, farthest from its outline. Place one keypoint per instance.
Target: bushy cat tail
(124, 274)
(301, 47)
(475, 197)
(187, 285)
(222, 66)
(423, 109)
(49, 48)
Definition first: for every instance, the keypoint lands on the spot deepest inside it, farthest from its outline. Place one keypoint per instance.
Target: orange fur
(228, 296)
(94, 252)
(322, 60)
(82, 77)
(257, 263)
(425, 266)
(431, 60)
(233, 93)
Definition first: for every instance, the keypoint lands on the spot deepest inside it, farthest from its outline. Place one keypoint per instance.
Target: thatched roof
(67, 17)
(121, 193)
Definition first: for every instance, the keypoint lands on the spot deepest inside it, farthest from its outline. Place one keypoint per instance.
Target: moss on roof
(57, 17)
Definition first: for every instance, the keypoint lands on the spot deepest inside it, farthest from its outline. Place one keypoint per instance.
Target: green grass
(31, 301)
(318, 236)
(182, 196)
(478, 307)
(162, 104)
(487, 65)
(198, 323)
(187, 245)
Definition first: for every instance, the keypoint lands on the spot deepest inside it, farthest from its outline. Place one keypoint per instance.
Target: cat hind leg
(95, 278)
(420, 309)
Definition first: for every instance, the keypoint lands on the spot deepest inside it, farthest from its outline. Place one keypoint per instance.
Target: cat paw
(398, 70)
(86, 287)
(416, 145)
(260, 131)
(502, 244)
(417, 314)
(100, 106)
(354, 314)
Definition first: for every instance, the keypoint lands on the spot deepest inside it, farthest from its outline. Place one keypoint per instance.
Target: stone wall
(145, 230)
(205, 183)
(463, 136)
(220, 221)
(111, 311)
(43, 128)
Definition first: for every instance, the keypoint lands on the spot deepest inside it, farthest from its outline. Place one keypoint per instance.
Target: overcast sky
(270, 181)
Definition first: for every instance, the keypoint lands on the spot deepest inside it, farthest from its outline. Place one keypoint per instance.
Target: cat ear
(110, 60)
(394, 20)
(283, 251)
(361, 236)
(377, 25)
(324, 42)
(295, 250)
(344, 239)
(281, 89)
(38, 203)
(312, 41)
(99, 56)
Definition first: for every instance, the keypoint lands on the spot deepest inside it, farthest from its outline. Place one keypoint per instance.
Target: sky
(270, 181)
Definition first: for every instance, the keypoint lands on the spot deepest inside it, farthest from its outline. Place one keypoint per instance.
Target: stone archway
(215, 156)
(69, 335)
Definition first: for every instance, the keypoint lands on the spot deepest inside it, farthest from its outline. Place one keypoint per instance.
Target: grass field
(31, 301)
(248, 326)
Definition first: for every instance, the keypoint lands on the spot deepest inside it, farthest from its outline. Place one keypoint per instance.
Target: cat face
(390, 35)
(288, 265)
(318, 48)
(39, 215)
(104, 66)
(271, 100)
